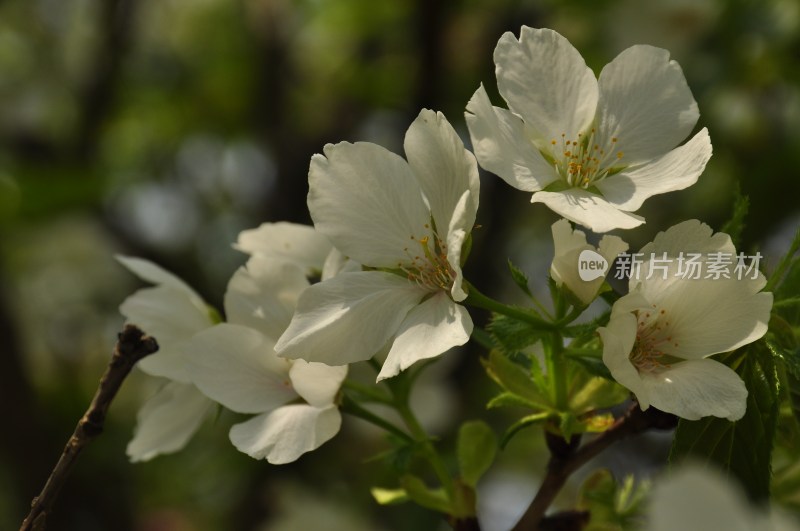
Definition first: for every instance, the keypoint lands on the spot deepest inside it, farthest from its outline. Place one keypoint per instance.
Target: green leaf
(389, 496)
(744, 447)
(506, 399)
(476, 449)
(512, 335)
(588, 393)
(734, 226)
(524, 422)
(425, 496)
(520, 278)
(593, 366)
(588, 330)
(516, 380)
(612, 506)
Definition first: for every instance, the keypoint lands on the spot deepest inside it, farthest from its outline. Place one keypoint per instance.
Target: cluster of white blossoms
(234, 363)
(390, 235)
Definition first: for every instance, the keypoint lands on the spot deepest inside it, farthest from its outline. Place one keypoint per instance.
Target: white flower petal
(457, 233)
(587, 209)
(444, 169)
(611, 246)
(618, 338)
(349, 317)
(337, 263)
(689, 236)
(366, 200)
(502, 147)
(287, 242)
(317, 383)
(172, 317)
(430, 329)
(698, 388)
(545, 80)
(287, 433)
(707, 316)
(263, 295)
(568, 247)
(150, 272)
(699, 498)
(237, 367)
(645, 103)
(167, 421)
(702, 316)
(676, 170)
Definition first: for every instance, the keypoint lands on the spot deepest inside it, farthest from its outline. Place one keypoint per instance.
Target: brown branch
(132, 345)
(466, 524)
(562, 465)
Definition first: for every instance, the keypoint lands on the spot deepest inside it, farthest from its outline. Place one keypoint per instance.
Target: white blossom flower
(406, 223)
(235, 364)
(569, 244)
(286, 242)
(661, 333)
(590, 149)
(172, 313)
(698, 498)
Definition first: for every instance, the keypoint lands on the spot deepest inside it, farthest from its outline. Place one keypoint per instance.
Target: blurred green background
(161, 128)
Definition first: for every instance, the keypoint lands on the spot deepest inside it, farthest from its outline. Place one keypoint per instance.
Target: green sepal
(466, 248)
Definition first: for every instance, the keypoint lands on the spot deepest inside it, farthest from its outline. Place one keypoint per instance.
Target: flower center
(427, 264)
(581, 161)
(652, 336)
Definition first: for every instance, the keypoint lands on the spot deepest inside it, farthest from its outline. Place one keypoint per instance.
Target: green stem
(479, 300)
(371, 393)
(421, 436)
(583, 352)
(557, 369)
(351, 407)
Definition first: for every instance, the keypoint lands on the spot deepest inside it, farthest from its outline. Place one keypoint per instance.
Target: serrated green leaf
(512, 335)
(744, 447)
(734, 226)
(587, 330)
(389, 496)
(782, 343)
(421, 494)
(520, 278)
(476, 449)
(516, 380)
